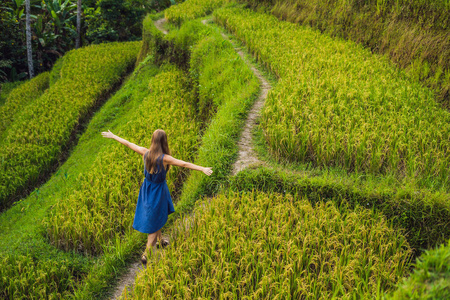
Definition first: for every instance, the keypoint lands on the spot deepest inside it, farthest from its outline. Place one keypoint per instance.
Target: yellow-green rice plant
(336, 104)
(260, 246)
(103, 207)
(39, 133)
(23, 236)
(21, 277)
(21, 96)
(192, 9)
(424, 215)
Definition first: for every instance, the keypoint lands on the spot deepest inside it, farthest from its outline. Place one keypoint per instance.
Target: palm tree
(78, 41)
(28, 32)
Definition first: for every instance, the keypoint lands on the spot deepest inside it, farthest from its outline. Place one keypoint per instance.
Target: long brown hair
(158, 146)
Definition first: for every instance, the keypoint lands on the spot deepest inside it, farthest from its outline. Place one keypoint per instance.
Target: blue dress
(154, 202)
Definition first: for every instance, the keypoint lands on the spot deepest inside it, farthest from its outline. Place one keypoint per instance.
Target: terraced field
(338, 105)
(263, 246)
(33, 142)
(351, 203)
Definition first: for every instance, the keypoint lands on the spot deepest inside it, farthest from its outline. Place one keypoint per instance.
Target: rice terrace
(309, 149)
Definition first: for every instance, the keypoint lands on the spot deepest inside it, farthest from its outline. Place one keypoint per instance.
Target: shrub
(431, 277)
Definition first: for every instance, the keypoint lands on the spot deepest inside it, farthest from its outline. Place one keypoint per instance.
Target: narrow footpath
(246, 154)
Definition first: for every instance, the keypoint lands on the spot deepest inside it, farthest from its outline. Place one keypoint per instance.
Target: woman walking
(154, 202)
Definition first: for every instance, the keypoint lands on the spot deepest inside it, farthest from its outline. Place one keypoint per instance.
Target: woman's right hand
(108, 134)
(207, 171)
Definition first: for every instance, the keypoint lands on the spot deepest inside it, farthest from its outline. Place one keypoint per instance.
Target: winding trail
(246, 157)
(246, 154)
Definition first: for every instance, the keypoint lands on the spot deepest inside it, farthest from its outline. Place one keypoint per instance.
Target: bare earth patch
(160, 25)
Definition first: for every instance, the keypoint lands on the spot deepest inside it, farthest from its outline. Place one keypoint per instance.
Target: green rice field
(349, 198)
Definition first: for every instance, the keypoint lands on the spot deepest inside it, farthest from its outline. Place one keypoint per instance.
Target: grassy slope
(6, 88)
(23, 231)
(32, 145)
(396, 28)
(18, 98)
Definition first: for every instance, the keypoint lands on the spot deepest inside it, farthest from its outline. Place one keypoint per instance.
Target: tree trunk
(28, 33)
(78, 41)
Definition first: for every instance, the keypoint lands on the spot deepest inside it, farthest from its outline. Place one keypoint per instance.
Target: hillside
(344, 193)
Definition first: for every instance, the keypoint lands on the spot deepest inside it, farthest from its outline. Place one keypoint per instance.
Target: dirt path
(127, 280)
(246, 155)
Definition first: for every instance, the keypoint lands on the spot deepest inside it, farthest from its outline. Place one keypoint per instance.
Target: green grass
(431, 277)
(261, 246)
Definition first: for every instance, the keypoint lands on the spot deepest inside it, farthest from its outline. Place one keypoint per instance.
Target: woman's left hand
(207, 171)
(108, 134)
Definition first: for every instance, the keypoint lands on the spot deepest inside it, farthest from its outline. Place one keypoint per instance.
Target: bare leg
(152, 239)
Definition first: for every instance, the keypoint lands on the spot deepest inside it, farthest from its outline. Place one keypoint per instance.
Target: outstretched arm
(138, 149)
(180, 163)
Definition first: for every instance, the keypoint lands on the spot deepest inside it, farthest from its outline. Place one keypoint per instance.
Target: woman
(154, 202)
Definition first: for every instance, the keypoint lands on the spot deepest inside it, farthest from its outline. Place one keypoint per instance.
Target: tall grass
(260, 246)
(38, 135)
(423, 216)
(18, 98)
(414, 34)
(22, 277)
(336, 104)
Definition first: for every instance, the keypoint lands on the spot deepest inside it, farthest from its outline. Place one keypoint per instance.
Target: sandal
(163, 243)
(144, 259)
